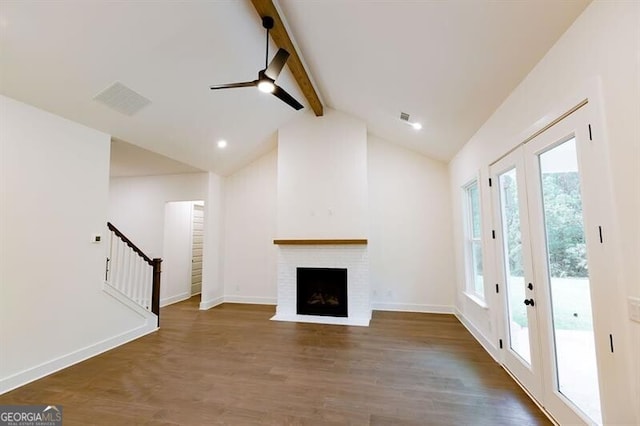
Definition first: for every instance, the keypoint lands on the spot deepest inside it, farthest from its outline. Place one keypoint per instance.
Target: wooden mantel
(362, 241)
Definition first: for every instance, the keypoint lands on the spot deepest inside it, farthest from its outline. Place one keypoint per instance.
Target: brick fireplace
(349, 255)
(323, 194)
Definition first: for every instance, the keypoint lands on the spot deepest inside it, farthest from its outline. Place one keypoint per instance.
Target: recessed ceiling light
(416, 126)
(222, 143)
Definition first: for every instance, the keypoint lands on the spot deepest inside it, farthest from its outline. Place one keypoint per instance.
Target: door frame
(615, 395)
(575, 126)
(194, 204)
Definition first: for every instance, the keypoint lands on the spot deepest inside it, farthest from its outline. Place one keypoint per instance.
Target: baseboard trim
(174, 299)
(208, 304)
(477, 334)
(406, 307)
(49, 367)
(251, 300)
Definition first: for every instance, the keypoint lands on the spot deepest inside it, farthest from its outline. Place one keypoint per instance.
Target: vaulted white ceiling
(130, 160)
(448, 63)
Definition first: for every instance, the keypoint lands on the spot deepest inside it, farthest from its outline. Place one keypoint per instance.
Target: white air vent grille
(122, 99)
(404, 116)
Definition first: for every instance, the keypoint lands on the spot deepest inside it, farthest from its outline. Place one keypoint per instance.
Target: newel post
(155, 295)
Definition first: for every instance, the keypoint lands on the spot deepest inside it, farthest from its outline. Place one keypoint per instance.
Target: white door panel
(548, 216)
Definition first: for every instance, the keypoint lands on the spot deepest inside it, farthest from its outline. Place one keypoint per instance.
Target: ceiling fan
(266, 81)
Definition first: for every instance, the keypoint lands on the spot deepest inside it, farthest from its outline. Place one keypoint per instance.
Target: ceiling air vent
(122, 99)
(404, 116)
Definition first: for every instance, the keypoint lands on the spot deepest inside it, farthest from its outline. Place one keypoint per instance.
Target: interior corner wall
(54, 181)
(250, 227)
(213, 247)
(137, 205)
(410, 246)
(322, 177)
(603, 44)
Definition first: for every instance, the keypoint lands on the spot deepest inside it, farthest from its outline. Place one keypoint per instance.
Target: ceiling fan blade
(276, 64)
(234, 85)
(281, 94)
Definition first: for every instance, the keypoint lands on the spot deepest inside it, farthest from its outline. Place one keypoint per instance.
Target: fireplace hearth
(321, 291)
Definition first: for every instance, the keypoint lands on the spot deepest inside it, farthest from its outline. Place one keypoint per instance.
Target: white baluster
(135, 282)
(118, 271)
(123, 267)
(128, 272)
(113, 267)
(110, 261)
(139, 270)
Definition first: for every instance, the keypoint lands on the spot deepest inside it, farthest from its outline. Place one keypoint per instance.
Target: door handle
(529, 302)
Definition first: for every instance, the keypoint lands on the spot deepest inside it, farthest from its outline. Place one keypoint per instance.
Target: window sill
(476, 300)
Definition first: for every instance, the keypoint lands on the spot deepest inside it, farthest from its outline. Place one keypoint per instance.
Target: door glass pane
(577, 372)
(513, 266)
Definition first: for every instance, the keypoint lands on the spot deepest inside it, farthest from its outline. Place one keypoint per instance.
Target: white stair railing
(133, 273)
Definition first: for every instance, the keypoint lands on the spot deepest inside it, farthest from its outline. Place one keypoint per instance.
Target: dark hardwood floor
(231, 365)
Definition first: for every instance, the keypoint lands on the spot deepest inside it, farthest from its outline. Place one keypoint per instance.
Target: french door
(547, 255)
(520, 324)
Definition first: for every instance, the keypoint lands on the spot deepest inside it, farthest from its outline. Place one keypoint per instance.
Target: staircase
(131, 274)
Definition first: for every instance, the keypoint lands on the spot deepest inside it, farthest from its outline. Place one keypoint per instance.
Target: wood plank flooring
(231, 365)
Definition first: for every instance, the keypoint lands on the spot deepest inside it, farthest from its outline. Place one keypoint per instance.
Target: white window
(473, 240)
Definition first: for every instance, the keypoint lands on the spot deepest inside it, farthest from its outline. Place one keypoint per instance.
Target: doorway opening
(183, 244)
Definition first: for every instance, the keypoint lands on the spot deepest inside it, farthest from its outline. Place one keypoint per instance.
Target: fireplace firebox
(321, 291)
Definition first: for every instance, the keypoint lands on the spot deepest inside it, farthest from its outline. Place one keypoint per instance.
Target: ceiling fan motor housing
(267, 22)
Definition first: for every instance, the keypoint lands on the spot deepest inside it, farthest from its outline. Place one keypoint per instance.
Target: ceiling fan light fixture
(266, 86)
(267, 77)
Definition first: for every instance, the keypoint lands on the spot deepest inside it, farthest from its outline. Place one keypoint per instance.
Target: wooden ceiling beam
(281, 39)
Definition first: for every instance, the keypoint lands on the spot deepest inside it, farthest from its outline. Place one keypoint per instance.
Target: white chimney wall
(322, 178)
(323, 194)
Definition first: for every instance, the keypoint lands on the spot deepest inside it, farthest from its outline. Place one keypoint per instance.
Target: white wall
(177, 253)
(54, 180)
(603, 43)
(410, 246)
(322, 177)
(137, 205)
(137, 208)
(250, 226)
(213, 249)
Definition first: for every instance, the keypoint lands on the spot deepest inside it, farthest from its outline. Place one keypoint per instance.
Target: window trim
(470, 241)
